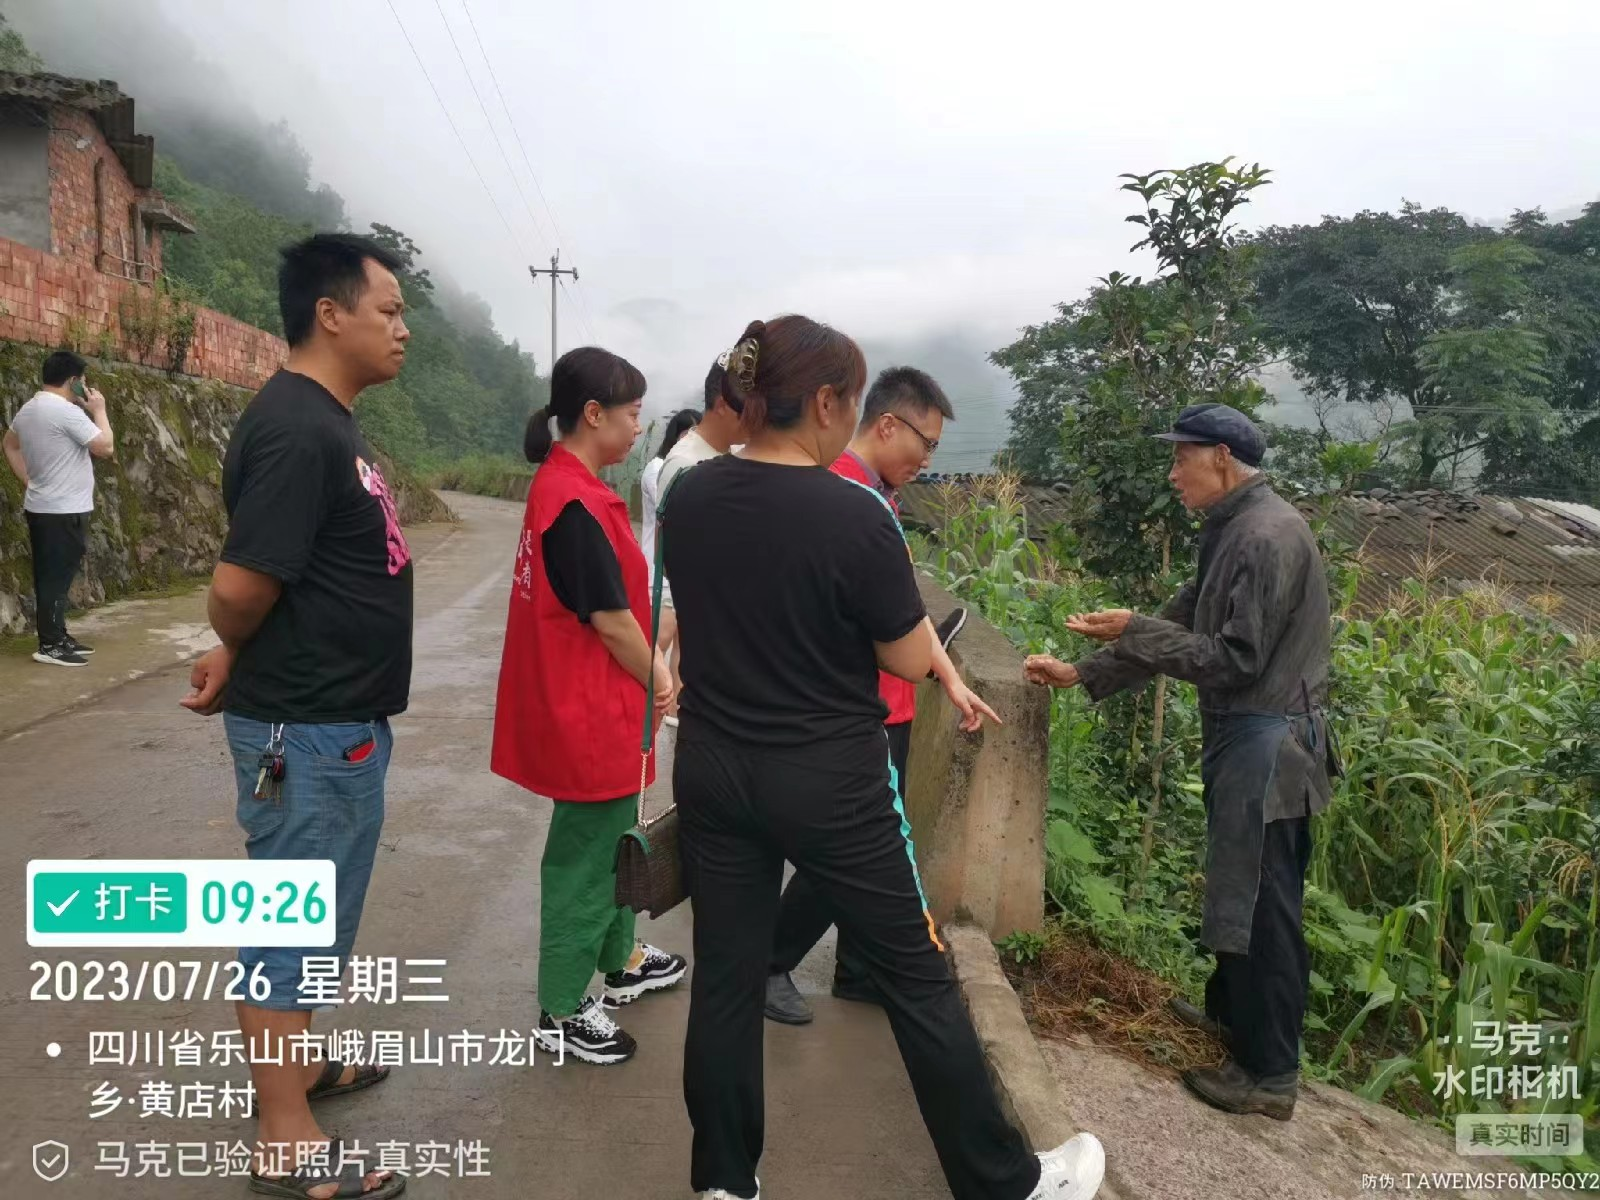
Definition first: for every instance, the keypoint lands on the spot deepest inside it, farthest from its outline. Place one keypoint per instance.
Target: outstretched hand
(1105, 626)
(1049, 672)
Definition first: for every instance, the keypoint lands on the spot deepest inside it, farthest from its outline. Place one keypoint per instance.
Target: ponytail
(537, 440)
(579, 376)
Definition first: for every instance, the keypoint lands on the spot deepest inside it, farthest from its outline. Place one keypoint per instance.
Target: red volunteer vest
(567, 717)
(899, 695)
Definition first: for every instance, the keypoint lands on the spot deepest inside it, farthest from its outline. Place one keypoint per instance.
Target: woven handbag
(649, 871)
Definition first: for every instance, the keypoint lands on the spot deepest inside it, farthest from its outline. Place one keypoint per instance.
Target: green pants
(581, 929)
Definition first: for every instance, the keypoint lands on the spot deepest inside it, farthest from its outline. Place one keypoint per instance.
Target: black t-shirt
(783, 578)
(580, 564)
(308, 505)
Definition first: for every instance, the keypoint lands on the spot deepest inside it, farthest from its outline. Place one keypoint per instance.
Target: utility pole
(555, 270)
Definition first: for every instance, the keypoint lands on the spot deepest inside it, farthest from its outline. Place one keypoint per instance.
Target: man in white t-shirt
(713, 436)
(51, 446)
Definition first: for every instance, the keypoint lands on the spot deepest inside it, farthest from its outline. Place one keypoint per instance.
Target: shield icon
(50, 1161)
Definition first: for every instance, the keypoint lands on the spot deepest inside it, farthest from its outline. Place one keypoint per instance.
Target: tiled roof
(112, 110)
(1528, 554)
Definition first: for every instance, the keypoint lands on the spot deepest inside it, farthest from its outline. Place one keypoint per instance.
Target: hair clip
(742, 363)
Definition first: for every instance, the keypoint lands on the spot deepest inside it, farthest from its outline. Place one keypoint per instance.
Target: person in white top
(650, 488)
(51, 446)
(713, 436)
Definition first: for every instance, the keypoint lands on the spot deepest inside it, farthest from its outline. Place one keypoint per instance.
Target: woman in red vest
(571, 704)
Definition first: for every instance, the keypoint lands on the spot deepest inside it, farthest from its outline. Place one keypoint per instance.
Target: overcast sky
(915, 173)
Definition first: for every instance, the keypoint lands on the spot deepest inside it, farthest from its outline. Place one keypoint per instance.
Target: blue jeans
(329, 808)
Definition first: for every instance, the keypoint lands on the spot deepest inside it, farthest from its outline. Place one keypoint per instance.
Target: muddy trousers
(581, 929)
(802, 916)
(828, 810)
(58, 541)
(1261, 996)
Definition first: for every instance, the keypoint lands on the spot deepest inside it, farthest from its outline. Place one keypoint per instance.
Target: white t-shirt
(650, 490)
(55, 435)
(690, 449)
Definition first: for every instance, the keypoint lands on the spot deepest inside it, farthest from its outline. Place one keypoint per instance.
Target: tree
(1050, 364)
(1352, 301)
(416, 285)
(1486, 375)
(1121, 364)
(1562, 457)
(14, 52)
(1488, 337)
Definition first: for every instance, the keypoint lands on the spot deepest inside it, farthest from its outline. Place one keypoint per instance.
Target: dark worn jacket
(1251, 631)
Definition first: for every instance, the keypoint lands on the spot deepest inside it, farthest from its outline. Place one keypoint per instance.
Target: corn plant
(1455, 880)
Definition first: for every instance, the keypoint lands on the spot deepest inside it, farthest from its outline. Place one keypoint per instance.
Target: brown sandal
(351, 1178)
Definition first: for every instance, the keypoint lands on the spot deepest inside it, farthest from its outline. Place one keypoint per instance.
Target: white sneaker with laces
(1072, 1171)
(722, 1194)
(656, 970)
(588, 1035)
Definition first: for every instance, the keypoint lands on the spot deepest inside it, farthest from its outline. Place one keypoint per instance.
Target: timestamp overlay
(181, 902)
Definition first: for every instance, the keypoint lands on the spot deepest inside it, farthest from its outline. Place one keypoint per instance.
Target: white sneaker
(720, 1194)
(1072, 1171)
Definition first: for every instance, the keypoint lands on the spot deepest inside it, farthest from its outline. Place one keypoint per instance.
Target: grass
(498, 476)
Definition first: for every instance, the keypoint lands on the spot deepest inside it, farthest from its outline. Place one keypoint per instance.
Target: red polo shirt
(899, 694)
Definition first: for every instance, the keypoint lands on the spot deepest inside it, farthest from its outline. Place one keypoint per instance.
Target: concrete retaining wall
(977, 802)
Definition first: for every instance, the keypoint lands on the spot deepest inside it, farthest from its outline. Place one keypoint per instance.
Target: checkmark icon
(58, 909)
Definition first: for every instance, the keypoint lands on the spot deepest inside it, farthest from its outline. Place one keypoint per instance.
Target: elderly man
(1251, 631)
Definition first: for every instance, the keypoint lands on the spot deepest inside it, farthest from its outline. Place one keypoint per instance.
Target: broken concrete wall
(977, 802)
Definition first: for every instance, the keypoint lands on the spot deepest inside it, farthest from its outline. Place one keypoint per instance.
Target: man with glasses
(902, 419)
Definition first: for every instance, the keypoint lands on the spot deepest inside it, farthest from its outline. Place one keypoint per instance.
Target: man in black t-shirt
(312, 601)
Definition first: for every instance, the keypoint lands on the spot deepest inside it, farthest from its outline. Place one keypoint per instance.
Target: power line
(583, 308)
(463, 142)
(499, 145)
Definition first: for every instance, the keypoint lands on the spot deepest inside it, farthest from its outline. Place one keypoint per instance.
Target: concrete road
(131, 775)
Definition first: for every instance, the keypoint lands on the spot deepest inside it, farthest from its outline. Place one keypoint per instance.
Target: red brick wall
(45, 299)
(74, 225)
(74, 294)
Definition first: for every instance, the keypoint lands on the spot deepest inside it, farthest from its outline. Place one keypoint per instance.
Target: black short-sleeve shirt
(580, 564)
(308, 505)
(783, 578)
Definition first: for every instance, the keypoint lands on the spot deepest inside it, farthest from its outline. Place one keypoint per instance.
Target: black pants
(1261, 996)
(803, 917)
(826, 809)
(58, 541)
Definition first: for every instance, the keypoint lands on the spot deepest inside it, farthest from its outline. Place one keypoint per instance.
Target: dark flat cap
(1219, 425)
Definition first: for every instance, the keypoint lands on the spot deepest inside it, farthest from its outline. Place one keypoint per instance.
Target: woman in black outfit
(795, 586)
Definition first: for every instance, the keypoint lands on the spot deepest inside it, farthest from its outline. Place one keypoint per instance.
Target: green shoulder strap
(647, 740)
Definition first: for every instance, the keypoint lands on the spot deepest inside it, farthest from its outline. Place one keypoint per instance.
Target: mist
(929, 178)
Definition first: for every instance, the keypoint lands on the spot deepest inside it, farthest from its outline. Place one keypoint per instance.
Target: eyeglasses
(932, 444)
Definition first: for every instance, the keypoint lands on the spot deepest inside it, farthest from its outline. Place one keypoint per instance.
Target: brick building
(82, 228)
